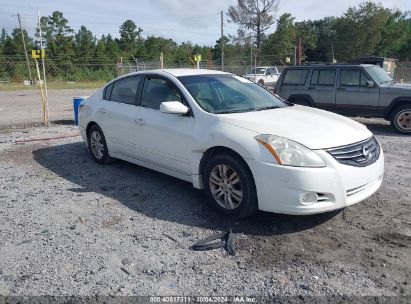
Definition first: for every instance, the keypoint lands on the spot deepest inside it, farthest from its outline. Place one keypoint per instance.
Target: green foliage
(85, 43)
(369, 29)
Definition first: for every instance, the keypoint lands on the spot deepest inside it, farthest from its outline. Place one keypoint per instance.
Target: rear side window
(323, 77)
(295, 77)
(353, 78)
(125, 90)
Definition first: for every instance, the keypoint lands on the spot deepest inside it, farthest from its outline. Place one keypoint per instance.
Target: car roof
(188, 72)
(305, 66)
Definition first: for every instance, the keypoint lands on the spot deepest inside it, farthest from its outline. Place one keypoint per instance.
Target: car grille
(361, 154)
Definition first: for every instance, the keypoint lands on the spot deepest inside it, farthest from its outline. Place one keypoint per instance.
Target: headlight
(290, 153)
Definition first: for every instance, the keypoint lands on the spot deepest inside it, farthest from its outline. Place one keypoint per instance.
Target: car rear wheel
(401, 119)
(230, 187)
(97, 145)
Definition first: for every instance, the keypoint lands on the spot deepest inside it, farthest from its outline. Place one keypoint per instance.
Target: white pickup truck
(264, 75)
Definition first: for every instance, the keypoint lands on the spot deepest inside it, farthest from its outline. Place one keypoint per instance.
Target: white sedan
(244, 146)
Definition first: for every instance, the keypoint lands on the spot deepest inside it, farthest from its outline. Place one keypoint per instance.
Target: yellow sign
(36, 54)
(197, 57)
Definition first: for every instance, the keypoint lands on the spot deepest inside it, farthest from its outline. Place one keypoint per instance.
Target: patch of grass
(52, 85)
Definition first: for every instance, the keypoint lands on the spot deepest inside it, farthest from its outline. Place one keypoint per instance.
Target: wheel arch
(399, 101)
(215, 150)
(89, 125)
(305, 97)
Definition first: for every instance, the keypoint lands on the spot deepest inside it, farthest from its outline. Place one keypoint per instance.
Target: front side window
(158, 90)
(219, 94)
(323, 77)
(351, 77)
(125, 90)
(295, 77)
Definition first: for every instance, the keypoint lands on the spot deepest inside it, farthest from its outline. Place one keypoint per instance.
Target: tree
(359, 30)
(254, 16)
(85, 43)
(58, 35)
(281, 43)
(395, 37)
(130, 36)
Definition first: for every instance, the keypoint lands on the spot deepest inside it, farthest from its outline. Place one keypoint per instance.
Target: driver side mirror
(173, 107)
(370, 84)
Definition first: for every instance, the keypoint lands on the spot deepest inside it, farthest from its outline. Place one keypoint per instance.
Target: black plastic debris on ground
(224, 240)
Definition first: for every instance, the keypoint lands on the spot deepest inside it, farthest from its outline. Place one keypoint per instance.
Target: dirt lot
(71, 227)
(23, 107)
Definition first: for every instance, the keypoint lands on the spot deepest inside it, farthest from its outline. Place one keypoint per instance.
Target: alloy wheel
(404, 120)
(226, 187)
(97, 145)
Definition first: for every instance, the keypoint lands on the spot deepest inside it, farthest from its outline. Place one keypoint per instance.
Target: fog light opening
(309, 198)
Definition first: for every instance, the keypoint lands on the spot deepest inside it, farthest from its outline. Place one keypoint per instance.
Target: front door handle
(341, 89)
(102, 110)
(139, 121)
(311, 88)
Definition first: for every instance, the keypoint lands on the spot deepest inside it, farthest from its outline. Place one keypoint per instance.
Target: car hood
(314, 128)
(396, 86)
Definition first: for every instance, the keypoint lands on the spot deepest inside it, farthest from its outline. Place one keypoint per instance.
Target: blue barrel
(76, 102)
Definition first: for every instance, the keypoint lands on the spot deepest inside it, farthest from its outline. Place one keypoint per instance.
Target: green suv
(354, 90)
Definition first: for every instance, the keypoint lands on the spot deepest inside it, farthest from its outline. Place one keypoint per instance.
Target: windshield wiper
(267, 108)
(233, 111)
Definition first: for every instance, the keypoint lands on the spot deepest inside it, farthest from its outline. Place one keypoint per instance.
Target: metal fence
(15, 70)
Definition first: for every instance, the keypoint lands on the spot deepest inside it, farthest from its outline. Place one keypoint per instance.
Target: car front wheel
(97, 145)
(401, 119)
(230, 187)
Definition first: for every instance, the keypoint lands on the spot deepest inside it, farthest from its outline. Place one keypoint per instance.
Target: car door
(293, 84)
(353, 96)
(119, 112)
(322, 88)
(165, 139)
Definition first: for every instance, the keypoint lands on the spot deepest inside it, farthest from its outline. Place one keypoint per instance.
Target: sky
(182, 20)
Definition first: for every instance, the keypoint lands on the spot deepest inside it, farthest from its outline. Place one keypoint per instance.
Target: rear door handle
(102, 110)
(311, 88)
(139, 121)
(341, 89)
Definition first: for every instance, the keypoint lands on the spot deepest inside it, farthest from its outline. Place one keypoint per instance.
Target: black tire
(248, 203)
(398, 115)
(301, 102)
(104, 158)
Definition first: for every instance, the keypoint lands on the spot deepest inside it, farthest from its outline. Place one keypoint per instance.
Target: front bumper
(280, 188)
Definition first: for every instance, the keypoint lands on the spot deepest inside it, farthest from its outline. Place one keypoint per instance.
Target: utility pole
(25, 50)
(300, 52)
(222, 41)
(332, 49)
(251, 55)
(161, 60)
(47, 123)
(209, 59)
(295, 55)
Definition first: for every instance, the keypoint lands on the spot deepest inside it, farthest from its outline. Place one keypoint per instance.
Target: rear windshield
(295, 77)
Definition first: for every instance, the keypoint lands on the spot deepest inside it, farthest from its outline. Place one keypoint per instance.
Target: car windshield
(220, 94)
(378, 74)
(258, 71)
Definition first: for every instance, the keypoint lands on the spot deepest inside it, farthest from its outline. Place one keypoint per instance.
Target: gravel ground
(24, 108)
(71, 227)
